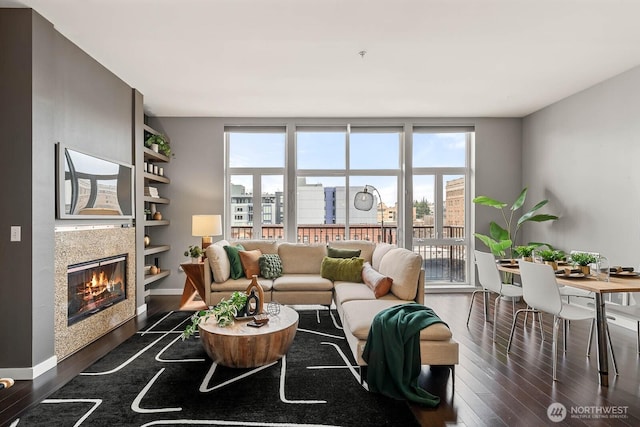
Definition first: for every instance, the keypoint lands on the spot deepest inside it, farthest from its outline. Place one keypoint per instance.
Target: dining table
(625, 282)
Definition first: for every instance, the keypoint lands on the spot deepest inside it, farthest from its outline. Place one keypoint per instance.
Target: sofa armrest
(420, 290)
(208, 280)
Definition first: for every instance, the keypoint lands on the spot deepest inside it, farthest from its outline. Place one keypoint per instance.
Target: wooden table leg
(188, 292)
(194, 282)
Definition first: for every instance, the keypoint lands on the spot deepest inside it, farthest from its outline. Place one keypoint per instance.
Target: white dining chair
(632, 311)
(489, 279)
(541, 292)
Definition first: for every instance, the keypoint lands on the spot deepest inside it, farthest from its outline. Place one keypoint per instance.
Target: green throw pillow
(270, 266)
(342, 269)
(342, 253)
(234, 259)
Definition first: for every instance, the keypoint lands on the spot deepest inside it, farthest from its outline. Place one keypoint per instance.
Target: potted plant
(551, 257)
(147, 213)
(194, 252)
(583, 259)
(502, 238)
(224, 313)
(525, 252)
(158, 143)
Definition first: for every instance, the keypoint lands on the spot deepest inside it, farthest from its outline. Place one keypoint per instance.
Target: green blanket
(392, 352)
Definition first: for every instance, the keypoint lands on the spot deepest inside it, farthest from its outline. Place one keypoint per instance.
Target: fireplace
(94, 286)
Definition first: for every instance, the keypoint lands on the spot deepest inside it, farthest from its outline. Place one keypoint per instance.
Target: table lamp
(206, 226)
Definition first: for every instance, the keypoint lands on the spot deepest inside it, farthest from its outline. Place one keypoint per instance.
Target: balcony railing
(320, 233)
(442, 263)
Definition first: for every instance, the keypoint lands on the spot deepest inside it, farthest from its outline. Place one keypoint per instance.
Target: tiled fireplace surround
(80, 244)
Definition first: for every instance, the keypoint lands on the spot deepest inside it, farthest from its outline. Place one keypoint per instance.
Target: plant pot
(195, 260)
(553, 264)
(585, 269)
(155, 148)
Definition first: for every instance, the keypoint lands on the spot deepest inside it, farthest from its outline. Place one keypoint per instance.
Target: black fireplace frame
(79, 267)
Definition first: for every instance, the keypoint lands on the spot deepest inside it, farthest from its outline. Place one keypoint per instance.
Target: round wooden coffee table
(242, 346)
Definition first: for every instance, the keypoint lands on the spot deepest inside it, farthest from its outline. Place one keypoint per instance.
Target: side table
(194, 282)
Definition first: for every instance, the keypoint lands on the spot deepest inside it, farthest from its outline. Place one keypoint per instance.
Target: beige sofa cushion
(219, 261)
(302, 282)
(299, 258)
(349, 291)
(379, 252)
(240, 285)
(403, 266)
(264, 246)
(366, 247)
(359, 315)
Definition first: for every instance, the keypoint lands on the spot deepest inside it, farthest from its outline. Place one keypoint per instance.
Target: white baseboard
(141, 309)
(29, 373)
(166, 291)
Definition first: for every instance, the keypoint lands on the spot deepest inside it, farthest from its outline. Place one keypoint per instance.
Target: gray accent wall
(582, 154)
(197, 171)
(16, 171)
(50, 91)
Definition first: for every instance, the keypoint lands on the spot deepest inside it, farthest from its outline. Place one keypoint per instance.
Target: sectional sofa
(301, 282)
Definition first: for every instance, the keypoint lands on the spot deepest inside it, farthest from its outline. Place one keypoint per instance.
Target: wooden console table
(194, 282)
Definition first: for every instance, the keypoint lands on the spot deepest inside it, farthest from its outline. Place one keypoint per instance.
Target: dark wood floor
(491, 387)
(496, 389)
(24, 394)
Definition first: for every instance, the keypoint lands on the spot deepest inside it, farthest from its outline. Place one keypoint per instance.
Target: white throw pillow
(379, 252)
(219, 261)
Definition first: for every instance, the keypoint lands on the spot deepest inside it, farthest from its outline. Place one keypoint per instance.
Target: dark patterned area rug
(155, 378)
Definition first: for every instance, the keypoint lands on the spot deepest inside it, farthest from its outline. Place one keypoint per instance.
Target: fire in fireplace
(95, 285)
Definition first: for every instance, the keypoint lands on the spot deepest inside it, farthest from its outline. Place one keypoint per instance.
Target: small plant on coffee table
(224, 313)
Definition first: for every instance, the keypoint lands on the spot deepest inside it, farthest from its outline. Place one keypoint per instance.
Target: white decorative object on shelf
(151, 192)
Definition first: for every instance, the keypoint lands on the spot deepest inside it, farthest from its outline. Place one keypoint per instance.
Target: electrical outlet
(16, 232)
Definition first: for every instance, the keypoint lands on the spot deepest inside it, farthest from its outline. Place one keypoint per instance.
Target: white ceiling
(299, 58)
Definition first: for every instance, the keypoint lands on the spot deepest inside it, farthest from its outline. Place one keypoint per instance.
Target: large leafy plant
(503, 238)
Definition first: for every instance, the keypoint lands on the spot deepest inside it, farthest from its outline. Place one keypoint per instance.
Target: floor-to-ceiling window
(314, 172)
(333, 165)
(255, 182)
(440, 194)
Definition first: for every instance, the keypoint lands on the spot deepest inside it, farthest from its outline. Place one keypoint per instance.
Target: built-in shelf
(150, 278)
(154, 222)
(156, 178)
(155, 254)
(156, 249)
(160, 200)
(149, 154)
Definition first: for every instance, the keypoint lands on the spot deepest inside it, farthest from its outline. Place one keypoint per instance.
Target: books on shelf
(151, 192)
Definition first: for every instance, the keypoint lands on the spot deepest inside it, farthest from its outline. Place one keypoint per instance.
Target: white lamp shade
(206, 225)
